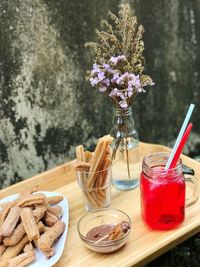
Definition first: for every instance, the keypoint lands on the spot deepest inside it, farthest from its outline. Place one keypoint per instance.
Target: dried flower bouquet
(119, 63)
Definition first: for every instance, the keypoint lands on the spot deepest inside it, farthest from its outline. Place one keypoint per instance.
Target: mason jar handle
(192, 190)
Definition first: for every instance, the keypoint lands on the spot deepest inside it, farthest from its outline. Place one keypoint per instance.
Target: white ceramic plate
(41, 260)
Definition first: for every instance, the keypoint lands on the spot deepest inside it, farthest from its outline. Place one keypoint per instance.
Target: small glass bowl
(98, 217)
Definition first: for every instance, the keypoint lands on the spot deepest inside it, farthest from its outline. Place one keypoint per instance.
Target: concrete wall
(47, 107)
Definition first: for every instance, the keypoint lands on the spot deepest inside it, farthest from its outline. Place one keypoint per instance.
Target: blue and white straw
(180, 135)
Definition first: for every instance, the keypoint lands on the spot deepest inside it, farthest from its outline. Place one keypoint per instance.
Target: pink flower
(102, 89)
(115, 60)
(123, 103)
(94, 81)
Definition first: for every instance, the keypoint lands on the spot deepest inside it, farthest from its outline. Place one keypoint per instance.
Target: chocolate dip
(104, 236)
(100, 231)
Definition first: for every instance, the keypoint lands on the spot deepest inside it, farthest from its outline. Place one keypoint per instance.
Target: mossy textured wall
(47, 107)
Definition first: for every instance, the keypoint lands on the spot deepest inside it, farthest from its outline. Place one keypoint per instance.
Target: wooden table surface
(143, 245)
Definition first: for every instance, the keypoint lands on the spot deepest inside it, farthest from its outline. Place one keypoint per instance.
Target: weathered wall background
(47, 107)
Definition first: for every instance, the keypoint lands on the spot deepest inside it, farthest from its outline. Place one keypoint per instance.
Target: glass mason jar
(163, 192)
(126, 166)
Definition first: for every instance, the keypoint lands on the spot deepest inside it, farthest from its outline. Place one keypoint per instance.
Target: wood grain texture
(143, 245)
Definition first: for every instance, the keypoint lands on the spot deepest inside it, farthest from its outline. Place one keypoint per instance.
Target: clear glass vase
(126, 167)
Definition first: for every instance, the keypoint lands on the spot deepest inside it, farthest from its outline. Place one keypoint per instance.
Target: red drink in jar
(162, 193)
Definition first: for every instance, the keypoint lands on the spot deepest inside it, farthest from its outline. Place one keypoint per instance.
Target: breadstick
(108, 137)
(102, 175)
(91, 197)
(50, 253)
(22, 260)
(96, 160)
(4, 262)
(29, 191)
(92, 179)
(88, 156)
(21, 195)
(116, 233)
(42, 228)
(17, 235)
(80, 154)
(19, 231)
(82, 166)
(102, 181)
(39, 211)
(100, 199)
(10, 222)
(49, 219)
(98, 195)
(46, 240)
(5, 204)
(54, 200)
(28, 247)
(105, 176)
(29, 224)
(56, 210)
(13, 251)
(6, 210)
(30, 200)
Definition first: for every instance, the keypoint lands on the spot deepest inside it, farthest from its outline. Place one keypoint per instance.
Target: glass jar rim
(154, 170)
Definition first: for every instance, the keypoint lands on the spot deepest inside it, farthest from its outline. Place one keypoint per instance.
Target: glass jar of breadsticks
(94, 175)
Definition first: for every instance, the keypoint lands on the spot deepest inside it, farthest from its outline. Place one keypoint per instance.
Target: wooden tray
(143, 245)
